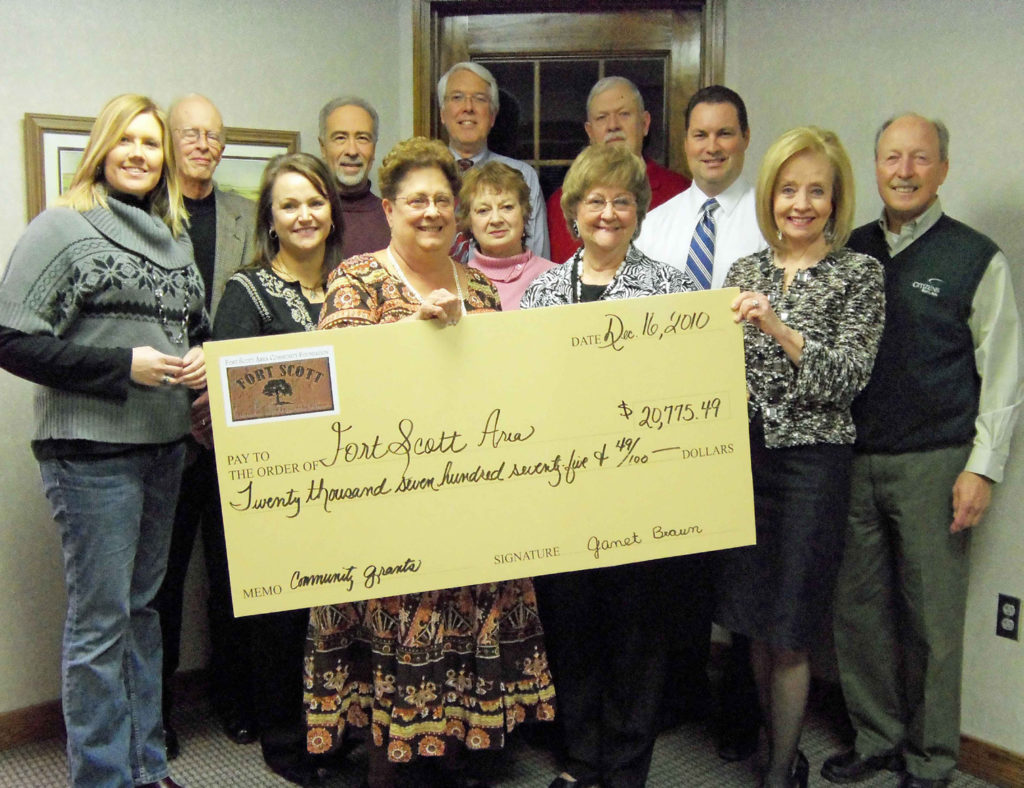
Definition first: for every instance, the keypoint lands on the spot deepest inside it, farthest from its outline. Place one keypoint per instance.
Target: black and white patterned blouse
(637, 276)
(257, 302)
(839, 308)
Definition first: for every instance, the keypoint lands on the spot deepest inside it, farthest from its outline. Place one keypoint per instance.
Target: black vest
(923, 392)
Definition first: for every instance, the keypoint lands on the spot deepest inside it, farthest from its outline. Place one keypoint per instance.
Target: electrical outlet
(1008, 617)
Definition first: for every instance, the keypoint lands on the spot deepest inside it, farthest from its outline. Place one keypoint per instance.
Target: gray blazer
(236, 231)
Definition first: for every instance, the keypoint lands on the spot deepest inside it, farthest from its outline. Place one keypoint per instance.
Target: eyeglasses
(420, 202)
(191, 137)
(477, 99)
(619, 204)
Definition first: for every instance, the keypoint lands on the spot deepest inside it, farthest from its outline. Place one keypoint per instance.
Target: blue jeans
(114, 514)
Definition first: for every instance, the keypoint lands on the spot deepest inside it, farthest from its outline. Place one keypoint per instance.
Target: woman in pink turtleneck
(493, 203)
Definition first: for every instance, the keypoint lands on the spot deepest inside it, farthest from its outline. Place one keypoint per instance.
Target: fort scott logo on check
(275, 385)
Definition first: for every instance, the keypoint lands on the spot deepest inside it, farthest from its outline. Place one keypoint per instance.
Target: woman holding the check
(281, 291)
(813, 315)
(434, 674)
(604, 626)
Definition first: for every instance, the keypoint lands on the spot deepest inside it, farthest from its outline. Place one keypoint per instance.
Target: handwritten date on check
(381, 460)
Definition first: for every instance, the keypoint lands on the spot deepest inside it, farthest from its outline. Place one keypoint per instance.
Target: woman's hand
(756, 309)
(193, 373)
(440, 305)
(150, 367)
(201, 428)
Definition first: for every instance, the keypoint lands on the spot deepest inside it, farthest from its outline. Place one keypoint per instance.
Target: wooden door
(546, 57)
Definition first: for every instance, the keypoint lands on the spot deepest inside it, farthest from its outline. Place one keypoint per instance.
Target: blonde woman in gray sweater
(101, 305)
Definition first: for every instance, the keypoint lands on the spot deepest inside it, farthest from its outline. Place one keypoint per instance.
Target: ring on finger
(755, 303)
(166, 380)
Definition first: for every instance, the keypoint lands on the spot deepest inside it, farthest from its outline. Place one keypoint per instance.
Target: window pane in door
(512, 134)
(564, 85)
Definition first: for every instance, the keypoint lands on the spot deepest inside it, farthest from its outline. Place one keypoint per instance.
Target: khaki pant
(899, 608)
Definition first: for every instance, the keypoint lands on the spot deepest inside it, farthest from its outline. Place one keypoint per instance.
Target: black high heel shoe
(798, 774)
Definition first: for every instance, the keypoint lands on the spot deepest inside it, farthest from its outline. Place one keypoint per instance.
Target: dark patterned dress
(434, 672)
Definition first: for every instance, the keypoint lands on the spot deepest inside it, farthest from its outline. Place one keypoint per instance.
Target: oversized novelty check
(380, 460)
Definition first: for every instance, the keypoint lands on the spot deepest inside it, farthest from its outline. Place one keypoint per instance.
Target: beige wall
(267, 64)
(843, 64)
(846, 65)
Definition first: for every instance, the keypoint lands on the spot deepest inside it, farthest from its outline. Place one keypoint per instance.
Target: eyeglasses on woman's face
(420, 202)
(595, 203)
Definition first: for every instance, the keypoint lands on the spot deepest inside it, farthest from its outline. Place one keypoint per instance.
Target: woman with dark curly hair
(441, 672)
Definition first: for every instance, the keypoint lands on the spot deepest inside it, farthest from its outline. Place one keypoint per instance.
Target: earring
(778, 234)
(575, 228)
(332, 229)
(830, 230)
(273, 233)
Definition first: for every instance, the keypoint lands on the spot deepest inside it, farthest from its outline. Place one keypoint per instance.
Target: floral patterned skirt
(428, 673)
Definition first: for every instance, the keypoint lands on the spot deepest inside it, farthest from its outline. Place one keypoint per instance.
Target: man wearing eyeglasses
(468, 95)
(222, 226)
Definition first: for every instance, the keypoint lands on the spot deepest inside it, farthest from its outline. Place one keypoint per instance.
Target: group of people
(883, 376)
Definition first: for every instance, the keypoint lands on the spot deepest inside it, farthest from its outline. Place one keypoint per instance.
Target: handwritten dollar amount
(657, 417)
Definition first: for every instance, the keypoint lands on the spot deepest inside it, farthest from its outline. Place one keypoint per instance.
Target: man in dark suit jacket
(222, 227)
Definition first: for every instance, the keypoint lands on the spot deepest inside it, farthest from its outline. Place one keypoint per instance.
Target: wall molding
(45, 721)
(991, 763)
(30, 724)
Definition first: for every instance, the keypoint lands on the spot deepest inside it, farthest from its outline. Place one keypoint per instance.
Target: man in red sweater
(615, 115)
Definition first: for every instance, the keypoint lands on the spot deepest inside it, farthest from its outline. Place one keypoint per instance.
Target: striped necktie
(701, 259)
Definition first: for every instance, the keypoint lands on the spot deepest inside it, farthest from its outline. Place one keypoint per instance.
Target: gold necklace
(311, 294)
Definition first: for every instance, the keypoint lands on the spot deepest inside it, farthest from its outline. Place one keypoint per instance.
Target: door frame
(426, 30)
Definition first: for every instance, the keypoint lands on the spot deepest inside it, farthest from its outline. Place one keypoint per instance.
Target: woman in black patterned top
(813, 314)
(298, 242)
(606, 627)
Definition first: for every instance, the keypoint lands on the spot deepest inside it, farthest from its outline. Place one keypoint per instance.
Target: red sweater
(665, 185)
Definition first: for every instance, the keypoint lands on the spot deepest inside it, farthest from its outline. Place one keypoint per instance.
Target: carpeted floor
(684, 758)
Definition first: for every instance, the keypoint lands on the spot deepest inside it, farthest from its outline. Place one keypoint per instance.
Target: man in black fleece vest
(933, 433)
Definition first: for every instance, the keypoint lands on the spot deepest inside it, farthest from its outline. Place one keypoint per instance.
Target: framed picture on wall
(54, 146)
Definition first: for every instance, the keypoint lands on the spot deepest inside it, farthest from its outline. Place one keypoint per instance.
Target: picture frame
(54, 145)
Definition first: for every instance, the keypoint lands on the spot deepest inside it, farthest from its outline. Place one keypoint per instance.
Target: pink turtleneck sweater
(511, 275)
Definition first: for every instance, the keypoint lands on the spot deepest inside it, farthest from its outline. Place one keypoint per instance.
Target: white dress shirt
(667, 230)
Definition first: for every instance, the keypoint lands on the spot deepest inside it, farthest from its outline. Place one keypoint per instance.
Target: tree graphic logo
(276, 388)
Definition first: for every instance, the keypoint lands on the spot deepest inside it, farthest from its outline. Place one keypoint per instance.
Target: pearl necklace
(405, 280)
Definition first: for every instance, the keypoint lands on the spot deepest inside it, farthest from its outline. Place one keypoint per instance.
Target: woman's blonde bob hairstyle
(792, 142)
(605, 165)
(89, 188)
